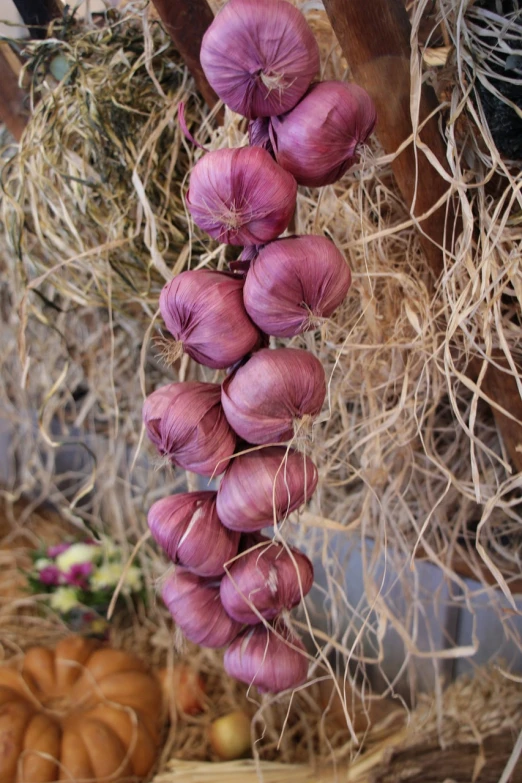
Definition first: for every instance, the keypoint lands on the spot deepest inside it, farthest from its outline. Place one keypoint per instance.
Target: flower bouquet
(78, 579)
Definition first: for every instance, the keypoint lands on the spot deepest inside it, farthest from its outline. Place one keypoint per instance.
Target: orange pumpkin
(363, 716)
(183, 686)
(78, 712)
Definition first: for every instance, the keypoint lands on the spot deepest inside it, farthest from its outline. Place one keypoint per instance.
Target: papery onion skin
(264, 485)
(204, 310)
(259, 134)
(186, 423)
(319, 140)
(259, 57)
(241, 196)
(195, 604)
(242, 264)
(266, 397)
(295, 282)
(258, 657)
(183, 525)
(271, 577)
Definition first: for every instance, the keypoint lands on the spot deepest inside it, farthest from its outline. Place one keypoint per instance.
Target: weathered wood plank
(375, 39)
(14, 112)
(186, 22)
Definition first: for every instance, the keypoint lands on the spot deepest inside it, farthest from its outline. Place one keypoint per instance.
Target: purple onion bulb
(204, 311)
(264, 486)
(259, 657)
(183, 524)
(195, 604)
(187, 424)
(271, 578)
(267, 398)
(294, 283)
(320, 139)
(259, 57)
(241, 196)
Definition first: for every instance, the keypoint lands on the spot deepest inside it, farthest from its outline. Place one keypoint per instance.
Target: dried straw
(407, 449)
(93, 196)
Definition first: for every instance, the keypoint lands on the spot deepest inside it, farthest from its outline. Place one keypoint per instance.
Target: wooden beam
(14, 111)
(375, 39)
(501, 387)
(186, 22)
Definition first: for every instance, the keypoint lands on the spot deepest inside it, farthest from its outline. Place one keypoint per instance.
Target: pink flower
(78, 575)
(49, 575)
(57, 549)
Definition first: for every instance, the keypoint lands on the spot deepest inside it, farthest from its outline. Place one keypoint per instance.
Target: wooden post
(186, 22)
(14, 112)
(502, 388)
(375, 39)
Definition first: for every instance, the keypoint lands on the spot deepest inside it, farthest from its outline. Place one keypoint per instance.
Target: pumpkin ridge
(96, 672)
(75, 763)
(112, 661)
(108, 755)
(71, 655)
(8, 694)
(125, 721)
(40, 664)
(41, 750)
(14, 680)
(14, 718)
(142, 693)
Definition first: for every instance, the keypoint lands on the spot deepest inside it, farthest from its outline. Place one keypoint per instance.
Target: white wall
(8, 13)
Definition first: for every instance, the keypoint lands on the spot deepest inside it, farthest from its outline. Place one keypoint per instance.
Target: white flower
(110, 549)
(42, 563)
(106, 575)
(64, 599)
(133, 579)
(109, 574)
(77, 553)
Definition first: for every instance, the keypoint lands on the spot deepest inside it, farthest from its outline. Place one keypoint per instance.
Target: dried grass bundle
(92, 199)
